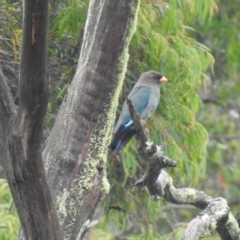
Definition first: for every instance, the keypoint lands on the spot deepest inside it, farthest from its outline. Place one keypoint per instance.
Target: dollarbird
(145, 97)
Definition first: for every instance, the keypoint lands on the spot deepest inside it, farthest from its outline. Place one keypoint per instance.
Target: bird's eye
(157, 77)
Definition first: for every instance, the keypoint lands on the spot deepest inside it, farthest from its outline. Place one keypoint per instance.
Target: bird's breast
(152, 105)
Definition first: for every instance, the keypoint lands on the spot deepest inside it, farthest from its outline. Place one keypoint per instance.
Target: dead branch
(216, 214)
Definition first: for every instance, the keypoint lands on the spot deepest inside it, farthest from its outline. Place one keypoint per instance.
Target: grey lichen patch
(85, 181)
(105, 185)
(102, 134)
(110, 110)
(48, 161)
(66, 155)
(70, 198)
(132, 24)
(61, 203)
(213, 224)
(122, 65)
(51, 157)
(189, 195)
(186, 195)
(232, 225)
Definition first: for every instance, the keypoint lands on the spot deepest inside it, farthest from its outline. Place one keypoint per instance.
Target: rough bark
(7, 112)
(22, 132)
(76, 151)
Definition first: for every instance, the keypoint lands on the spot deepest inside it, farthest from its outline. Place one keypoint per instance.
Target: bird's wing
(139, 97)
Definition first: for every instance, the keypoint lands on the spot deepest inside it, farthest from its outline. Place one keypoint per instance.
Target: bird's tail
(121, 138)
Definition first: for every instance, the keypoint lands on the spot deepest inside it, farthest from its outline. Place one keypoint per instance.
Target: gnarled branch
(216, 214)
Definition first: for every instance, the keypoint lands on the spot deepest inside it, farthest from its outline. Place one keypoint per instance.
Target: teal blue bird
(145, 97)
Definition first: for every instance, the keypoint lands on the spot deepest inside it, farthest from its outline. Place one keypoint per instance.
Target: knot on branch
(153, 154)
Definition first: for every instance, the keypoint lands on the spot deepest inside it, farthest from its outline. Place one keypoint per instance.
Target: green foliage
(9, 222)
(71, 19)
(163, 42)
(221, 115)
(10, 41)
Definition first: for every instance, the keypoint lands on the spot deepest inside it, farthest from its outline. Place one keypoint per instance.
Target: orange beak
(163, 79)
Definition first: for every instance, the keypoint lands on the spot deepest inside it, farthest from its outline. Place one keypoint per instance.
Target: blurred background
(196, 45)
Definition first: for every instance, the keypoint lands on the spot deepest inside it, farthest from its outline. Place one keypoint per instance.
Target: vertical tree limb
(7, 106)
(22, 156)
(76, 170)
(7, 112)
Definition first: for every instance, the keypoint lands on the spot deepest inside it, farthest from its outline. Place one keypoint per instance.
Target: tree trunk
(76, 152)
(21, 132)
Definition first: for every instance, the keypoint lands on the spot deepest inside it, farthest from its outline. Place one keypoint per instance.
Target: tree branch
(22, 156)
(7, 106)
(7, 112)
(237, 216)
(216, 214)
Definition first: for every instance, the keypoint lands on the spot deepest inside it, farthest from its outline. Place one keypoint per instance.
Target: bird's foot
(144, 123)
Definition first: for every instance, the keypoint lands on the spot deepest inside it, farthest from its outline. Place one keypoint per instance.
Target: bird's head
(152, 78)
